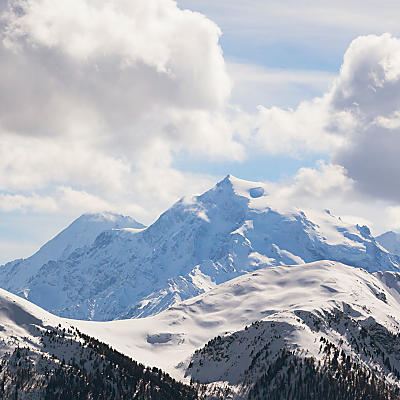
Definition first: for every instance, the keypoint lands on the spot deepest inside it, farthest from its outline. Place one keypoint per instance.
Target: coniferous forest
(76, 366)
(73, 365)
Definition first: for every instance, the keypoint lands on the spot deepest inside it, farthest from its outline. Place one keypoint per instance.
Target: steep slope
(44, 357)
(78, 235)
(390, 241)
(295, 306)
(198, 243)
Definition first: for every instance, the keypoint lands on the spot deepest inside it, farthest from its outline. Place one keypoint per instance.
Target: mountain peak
(389, 234)
(390, 241)
(233, 180)
(108, 217)
(200, 242)
(229, 180)
(83, 231)
(242, 187)
(79, 234)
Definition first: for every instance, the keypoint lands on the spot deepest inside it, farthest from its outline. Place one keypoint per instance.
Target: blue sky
(250, 43)
(130, 119)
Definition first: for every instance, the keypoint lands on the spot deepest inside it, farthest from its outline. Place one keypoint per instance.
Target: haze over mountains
(105, 267)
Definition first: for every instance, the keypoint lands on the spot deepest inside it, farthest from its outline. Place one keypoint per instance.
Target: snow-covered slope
(198, 243)
(78, 235)
(173, 335)
(245, 336)
(294, 307)
(390, 241)
(45, 357)
(18, 321)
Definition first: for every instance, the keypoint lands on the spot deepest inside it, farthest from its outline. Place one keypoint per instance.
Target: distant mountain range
(105, 266)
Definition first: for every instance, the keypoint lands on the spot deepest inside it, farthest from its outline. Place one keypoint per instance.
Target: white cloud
(119, 74)
(368, 90)
(81, 200)
(356, 122)
(293, 132)
(321, 182)
(328, 186)
(13, 202)
(393, 217)
(323, 187)
(95, 98)
(28, 163)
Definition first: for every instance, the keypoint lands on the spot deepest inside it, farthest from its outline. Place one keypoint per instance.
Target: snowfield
(291, 297)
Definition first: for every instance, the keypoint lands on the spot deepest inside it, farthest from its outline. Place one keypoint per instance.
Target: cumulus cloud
(328, 186)
(323, 187)
(368, 89)
(356, 123)
(100, 65)
(294, 132)
(321, 182)
(29, 163)
(95, 98)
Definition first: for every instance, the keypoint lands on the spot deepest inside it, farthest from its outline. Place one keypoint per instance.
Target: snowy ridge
(298, 300)
(19, 319)
(200, 242)
(78, 235)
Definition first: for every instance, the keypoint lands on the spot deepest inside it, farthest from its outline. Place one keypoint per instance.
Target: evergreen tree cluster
(363, 365)
(76, 366)
(72, 365)
(290, 377)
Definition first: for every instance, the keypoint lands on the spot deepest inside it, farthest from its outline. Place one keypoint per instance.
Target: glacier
(197, 244)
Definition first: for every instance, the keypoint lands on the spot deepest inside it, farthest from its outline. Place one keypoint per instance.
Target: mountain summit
(390, 241)
(78, 235)
(199, 242)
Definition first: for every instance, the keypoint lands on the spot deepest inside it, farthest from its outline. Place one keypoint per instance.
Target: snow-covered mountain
(342, 317)
(81, 233)
(256, 336)
(78, 235)
(200, 242)
(390, 241)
